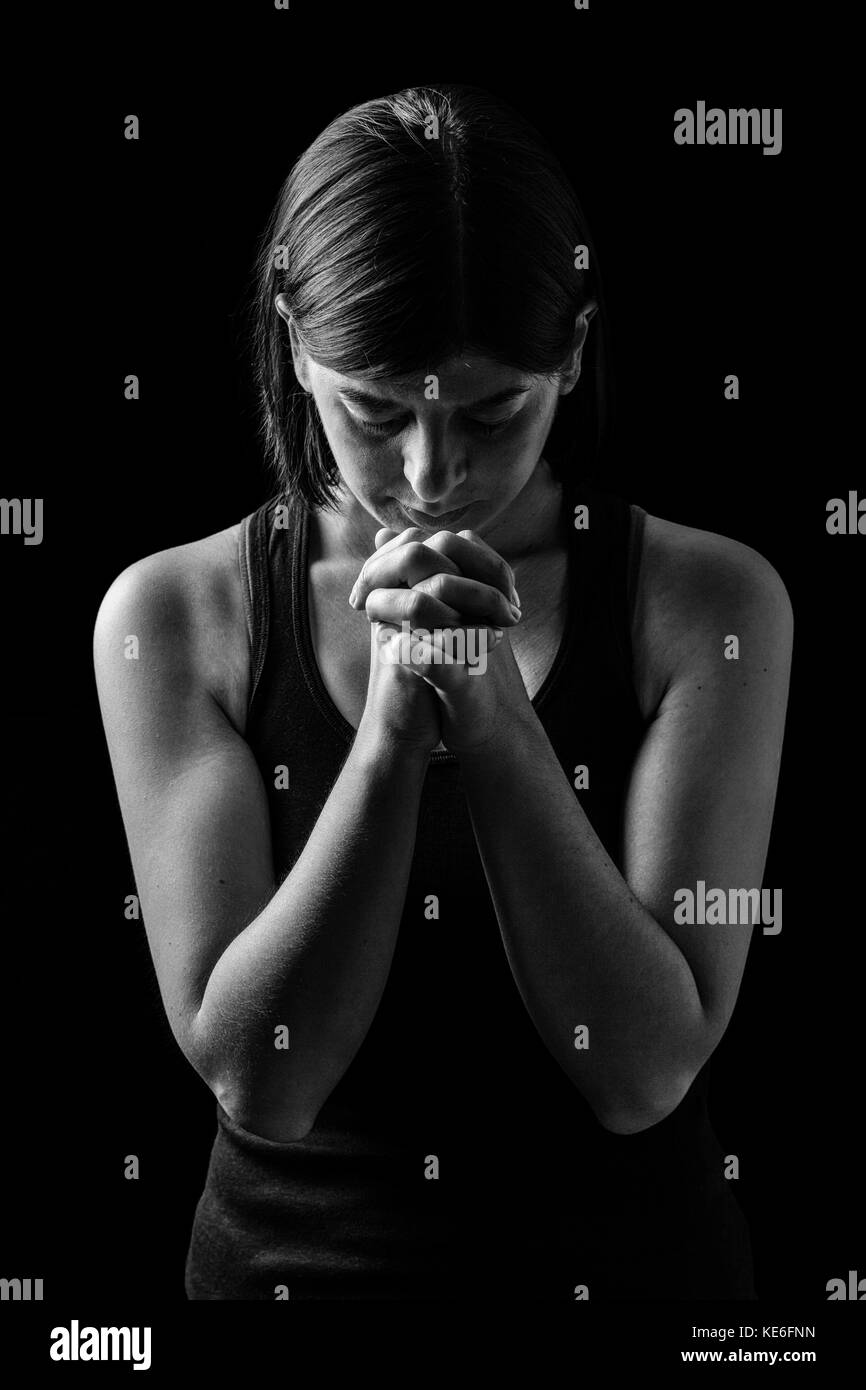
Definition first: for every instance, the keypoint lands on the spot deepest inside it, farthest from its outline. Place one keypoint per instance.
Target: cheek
(520, 443)
(517, 447)
(364, 467)
(544, 410)
(356, 457)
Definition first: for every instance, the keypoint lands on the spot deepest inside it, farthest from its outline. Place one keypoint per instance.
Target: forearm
(316, 959)
(582, 948)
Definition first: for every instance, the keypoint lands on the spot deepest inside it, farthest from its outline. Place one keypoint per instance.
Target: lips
(443, 518)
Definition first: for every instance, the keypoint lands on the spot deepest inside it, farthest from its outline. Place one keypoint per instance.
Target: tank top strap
(605, 546)
(253, 565)
(271, 548)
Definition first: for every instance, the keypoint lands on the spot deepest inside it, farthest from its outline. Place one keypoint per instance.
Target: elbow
(633, 1110)
(252, 1113)
(245, 1102)
(279, 1122)
(277, 1127)
(642, 1098)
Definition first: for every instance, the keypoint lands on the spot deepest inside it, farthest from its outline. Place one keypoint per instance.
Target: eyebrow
(359, 397)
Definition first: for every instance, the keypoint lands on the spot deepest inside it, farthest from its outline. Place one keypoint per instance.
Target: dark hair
(417, 226)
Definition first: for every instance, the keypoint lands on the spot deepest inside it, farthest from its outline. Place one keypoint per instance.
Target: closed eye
(390, 427)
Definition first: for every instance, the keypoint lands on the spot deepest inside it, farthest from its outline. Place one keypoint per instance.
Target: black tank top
(528, 1196)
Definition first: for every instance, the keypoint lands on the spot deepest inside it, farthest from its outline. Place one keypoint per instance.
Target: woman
(414, 923)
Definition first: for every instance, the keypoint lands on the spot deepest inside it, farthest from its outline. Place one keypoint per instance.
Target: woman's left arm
(594, 948)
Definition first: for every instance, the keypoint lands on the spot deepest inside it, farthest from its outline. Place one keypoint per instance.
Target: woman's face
(443, 452)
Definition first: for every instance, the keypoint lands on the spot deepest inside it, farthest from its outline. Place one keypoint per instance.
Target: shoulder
(694, 590)
(184, 604)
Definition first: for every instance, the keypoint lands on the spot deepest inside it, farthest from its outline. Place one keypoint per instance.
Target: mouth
(440, 521)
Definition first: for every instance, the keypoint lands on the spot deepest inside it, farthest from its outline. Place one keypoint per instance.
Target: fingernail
(353, 595)
(515, 597)
(516, 611)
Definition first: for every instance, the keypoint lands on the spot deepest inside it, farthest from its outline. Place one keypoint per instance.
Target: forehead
(461, 379)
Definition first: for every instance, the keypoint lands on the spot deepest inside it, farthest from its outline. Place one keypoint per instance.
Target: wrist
(497, 739)
(382, 746)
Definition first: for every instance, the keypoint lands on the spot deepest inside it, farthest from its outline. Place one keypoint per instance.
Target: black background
(714, 261)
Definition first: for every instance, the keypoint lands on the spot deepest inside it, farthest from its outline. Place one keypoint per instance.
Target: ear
(299, 356)
(571, 372)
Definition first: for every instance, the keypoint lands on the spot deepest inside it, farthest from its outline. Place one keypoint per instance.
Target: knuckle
(414, 605)
(412, 559)
(438, 541)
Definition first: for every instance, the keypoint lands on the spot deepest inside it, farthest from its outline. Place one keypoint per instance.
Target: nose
(434, 467)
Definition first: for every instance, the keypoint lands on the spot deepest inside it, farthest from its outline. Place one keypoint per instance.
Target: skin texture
(235, 954)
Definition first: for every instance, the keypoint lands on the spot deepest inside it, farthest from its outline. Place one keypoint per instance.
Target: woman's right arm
(237, 957)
